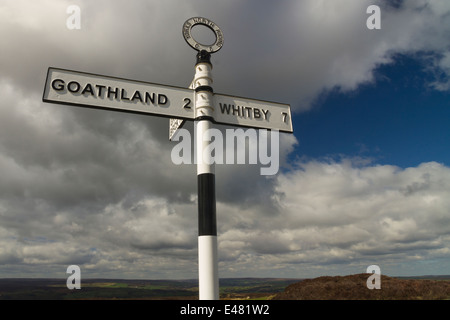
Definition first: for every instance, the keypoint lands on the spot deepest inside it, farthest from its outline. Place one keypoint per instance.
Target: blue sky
(399, 119)
(366, 176)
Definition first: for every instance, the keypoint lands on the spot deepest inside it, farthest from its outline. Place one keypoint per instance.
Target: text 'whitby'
(244, 112)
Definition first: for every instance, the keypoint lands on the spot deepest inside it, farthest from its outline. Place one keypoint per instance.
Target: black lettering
(162, 99)
(249, 110)
(224, 107)
(115, 91)
(186, 30)
(265, 112)
(219, 41)
(57, 87)
(70, 86)
(187, 103)
(123, 95)
(137, 95)
(236, 109)
(88, 89)
(256, 113)
(149, 97)
(100, 88)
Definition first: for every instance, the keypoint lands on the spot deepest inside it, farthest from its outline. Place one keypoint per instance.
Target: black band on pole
(211, 119)
(203, 57)
(204, 88)
(207, 225)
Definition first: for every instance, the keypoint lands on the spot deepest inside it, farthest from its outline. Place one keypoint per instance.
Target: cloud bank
(98, 189)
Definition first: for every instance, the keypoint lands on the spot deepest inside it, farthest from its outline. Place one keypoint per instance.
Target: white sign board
(252, 113)
(103, 92)
(111, 93)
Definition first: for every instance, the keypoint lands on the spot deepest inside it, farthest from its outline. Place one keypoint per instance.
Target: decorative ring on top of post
(187, 34)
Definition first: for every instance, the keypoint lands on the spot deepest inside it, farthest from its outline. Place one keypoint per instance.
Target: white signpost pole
(204, 118)
(207, 227)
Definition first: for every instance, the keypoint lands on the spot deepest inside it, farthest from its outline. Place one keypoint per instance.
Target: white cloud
(378, 212)
(330, 215)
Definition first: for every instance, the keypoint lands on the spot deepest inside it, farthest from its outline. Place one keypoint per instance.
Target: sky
(364, 178)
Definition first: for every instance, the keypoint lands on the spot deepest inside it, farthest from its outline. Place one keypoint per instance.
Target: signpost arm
(207, 225)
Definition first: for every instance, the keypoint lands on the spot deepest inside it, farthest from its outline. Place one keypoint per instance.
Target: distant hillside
(56, 289)
(353, 287)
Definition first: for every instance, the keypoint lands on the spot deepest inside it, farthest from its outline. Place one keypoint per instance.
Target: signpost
(198, 103)
(102, 92)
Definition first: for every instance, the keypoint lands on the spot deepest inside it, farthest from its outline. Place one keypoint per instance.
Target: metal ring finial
(187, 34)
